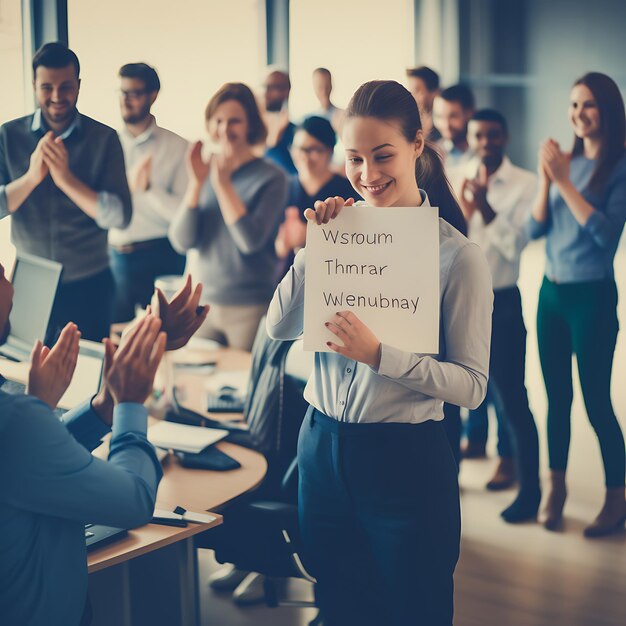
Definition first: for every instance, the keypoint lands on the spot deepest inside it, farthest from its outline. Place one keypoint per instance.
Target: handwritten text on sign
(381, 264)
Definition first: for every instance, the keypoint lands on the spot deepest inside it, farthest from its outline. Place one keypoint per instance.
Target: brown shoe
(505, 475)
(474, 450)
(553, 511)
(612, 517)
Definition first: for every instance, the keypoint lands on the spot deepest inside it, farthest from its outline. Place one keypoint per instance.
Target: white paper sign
(383, 265)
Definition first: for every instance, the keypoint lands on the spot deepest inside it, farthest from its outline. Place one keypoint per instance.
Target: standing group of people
(378, 499)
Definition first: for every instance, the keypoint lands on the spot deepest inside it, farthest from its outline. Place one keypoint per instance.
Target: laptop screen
(35, 283)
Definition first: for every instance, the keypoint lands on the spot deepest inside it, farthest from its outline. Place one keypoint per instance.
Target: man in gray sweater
(63, 181)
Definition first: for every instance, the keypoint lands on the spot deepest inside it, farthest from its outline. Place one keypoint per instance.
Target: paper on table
(184, 438)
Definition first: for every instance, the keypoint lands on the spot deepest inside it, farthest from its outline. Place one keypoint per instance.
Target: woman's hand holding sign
(327, 210)
(359, 342)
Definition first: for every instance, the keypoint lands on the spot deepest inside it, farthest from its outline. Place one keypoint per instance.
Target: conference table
(151, 575)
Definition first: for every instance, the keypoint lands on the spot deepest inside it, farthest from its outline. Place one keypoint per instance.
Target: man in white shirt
(496, 197)
(157, 177)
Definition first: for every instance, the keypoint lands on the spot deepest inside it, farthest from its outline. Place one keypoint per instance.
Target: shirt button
(348, 370)
(342, 403)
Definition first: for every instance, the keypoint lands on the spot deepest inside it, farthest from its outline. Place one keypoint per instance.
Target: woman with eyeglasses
(312, 153)
(230, 217)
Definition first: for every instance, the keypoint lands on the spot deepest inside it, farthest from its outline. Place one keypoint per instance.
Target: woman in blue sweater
(581, 208)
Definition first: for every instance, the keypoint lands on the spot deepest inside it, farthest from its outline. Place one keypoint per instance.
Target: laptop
(35, 281)
(97, 535)
(87, 375)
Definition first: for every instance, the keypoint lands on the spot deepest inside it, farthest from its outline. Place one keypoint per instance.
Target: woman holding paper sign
(581, 208)
(379, 502)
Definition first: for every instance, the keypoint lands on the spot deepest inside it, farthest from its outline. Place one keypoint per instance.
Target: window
(12, 102)
(195, 47)
(355, 39)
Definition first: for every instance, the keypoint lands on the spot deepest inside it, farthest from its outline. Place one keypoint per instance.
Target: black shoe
(523, 509)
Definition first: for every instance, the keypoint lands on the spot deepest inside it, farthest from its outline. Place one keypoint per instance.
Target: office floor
(514, 575)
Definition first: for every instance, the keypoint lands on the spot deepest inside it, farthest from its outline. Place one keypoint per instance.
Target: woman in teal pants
(581, 208)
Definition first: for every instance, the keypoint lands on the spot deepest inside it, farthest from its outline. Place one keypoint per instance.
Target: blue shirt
(50, 486)
(407, 387)
(578, 253)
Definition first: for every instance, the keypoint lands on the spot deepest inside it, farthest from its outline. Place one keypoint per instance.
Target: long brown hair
(612, 126)
(388, 100)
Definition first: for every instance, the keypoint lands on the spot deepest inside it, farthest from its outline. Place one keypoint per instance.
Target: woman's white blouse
(407, 387)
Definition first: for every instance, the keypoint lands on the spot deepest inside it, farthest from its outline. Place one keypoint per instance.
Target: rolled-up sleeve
(535, 229)
(252, 232)
(467, 305)
(114, 209)
(606, 226)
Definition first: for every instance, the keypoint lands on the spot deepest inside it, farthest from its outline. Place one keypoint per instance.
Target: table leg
(159, 588)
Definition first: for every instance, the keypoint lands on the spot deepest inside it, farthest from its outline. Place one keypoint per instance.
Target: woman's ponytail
(431, 177)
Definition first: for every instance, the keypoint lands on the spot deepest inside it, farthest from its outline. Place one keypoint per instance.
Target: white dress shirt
(154, 208)
(510, 193)
(407, 387)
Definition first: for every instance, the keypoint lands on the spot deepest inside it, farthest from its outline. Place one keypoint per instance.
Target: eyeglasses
(311, 150)
(132, 94)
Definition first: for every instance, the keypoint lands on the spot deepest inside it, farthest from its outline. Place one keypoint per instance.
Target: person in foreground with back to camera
(50, 484)
(581, 209)
(379, 500)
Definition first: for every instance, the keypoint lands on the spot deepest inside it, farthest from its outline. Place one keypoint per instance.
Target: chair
(261, 533)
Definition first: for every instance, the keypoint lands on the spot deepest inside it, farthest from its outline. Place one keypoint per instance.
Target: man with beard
(155, 165)
(452, 110)
(280, 130)
(63, 182)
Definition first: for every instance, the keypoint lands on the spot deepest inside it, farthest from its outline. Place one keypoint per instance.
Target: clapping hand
(555, 163)
(38, 169)
(223, 165)
(129, 371)
(473, 196)
(181, 317)
(197, 168)
(51, 370)
(56, 158)
(139, 176)
(327, 210)
(359, 342)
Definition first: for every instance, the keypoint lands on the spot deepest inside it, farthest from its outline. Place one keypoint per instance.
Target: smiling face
(450, 119)
(56, 90)
(229, 124)
(6, 304)
(487, 140)
(380, 162)
(584, 113)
